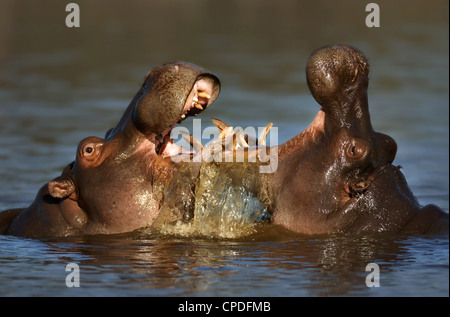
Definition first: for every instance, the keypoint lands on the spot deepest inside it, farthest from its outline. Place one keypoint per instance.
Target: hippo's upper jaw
(201, 96)
(170, 94)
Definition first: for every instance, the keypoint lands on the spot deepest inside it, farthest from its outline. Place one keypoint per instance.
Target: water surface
(289, 266)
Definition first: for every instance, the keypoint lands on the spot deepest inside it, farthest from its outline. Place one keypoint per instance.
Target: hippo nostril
(357, 149)
(356, 189)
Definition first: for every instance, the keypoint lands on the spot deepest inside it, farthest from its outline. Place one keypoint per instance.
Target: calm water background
(59, 85)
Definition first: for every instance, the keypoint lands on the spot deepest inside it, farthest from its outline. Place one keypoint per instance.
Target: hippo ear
(61, 187)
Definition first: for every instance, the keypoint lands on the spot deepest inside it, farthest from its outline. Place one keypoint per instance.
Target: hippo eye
(88, 150)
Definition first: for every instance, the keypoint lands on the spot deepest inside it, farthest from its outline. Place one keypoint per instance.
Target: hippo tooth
(226, 132)
(183, 116)
(195, 99)
(196, 144)
(229, 141)
(198, 106)
(220, 125)
(263, 136)
(240, 140)
(235, 140)
(203, 94)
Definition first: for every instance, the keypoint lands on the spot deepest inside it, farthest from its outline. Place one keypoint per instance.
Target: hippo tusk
(238, 140)
(263, 136)
(220, 125)
(196, 144)
(241, 140)
(226, 132)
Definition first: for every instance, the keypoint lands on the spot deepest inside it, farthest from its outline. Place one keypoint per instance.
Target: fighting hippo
(337, 176)
(116, 184)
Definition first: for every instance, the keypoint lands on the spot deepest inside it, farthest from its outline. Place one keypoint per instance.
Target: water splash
(222, 204)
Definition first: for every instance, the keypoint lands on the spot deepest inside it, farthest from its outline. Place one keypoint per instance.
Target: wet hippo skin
(115, 184)
(338, 174)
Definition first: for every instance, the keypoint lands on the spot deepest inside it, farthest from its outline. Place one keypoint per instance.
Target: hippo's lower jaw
(383, 203)
(388, 205)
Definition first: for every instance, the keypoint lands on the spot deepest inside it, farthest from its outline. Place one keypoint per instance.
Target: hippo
(116, 183)
(335, 177)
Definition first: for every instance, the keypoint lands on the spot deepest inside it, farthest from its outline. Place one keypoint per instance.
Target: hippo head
(170, 93)
(115, 184)
(338, 174)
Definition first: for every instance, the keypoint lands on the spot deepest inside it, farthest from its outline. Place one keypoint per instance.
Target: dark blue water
(59, 85)
(291, 266)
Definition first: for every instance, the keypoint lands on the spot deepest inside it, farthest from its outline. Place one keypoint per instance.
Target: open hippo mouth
(337, 76)
(199, 98)
(171, 93)
(340, 171)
